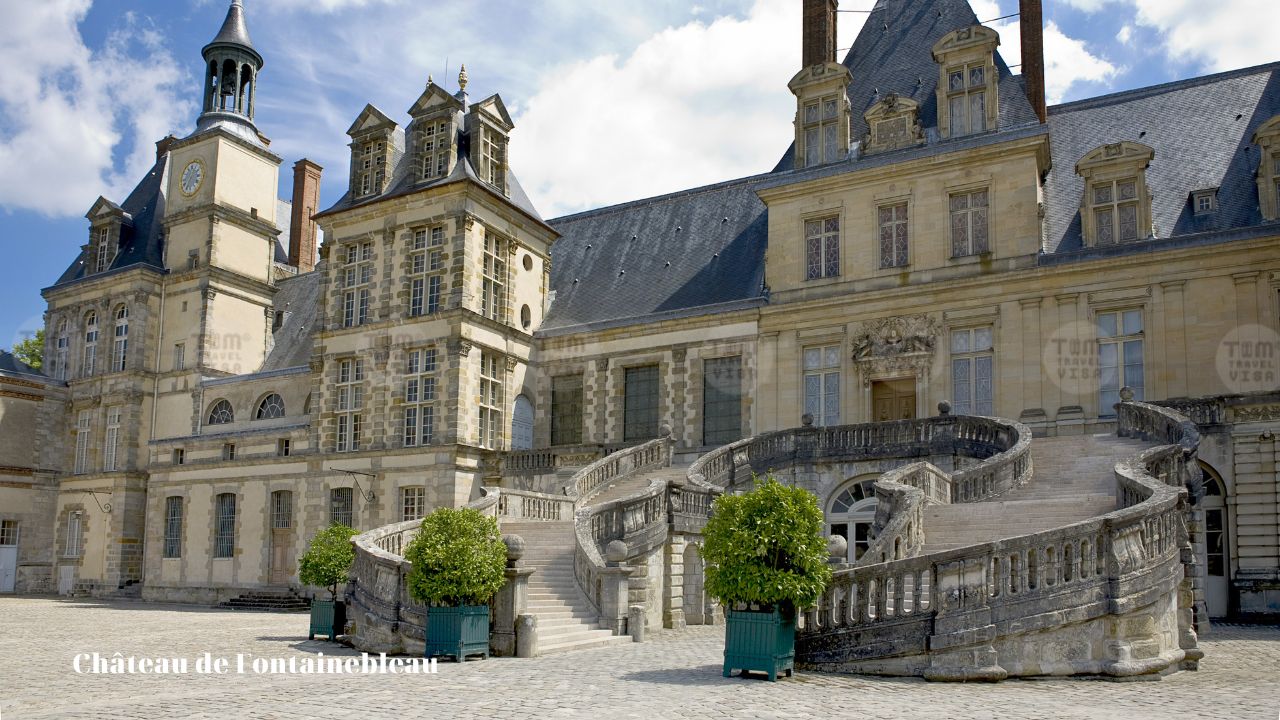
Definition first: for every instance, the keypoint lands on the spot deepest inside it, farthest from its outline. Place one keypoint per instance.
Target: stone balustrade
(901, 496)
(525, 506)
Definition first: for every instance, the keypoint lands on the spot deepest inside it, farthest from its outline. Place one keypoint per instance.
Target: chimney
(162, 147)
(819, 32)
(1033, 55)
(302, 229)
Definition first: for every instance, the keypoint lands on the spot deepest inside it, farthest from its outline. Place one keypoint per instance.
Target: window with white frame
(106, 250)
(435, 143)
(822, 384)
(341, 506)
(821, 131)
(419, 397)
(350, 403)
(967, 98)
(972, 360)
(284, 447)
(229, 451)
(75, 530)
(970, 222)
(413, 503)
(357, 276)
(224, 513)
(221, 413)
(84, 431)
(173, 527)
(90, 364)
(492, 400)
(120, 348)
(493, 297)
(1120, 336)
(271, 407)
(62, 351)
(282, 509)
(893, 235)
(111, 448)
(426, 257)
(822, 248)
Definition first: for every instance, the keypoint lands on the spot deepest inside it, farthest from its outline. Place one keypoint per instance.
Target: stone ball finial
(516, 546)
(615, 552)
(838, 548)
(1126, 394)
(664, 430)
(806, 419)
(944, 408)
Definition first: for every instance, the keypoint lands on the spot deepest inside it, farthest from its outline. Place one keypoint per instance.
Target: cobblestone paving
(675, 675)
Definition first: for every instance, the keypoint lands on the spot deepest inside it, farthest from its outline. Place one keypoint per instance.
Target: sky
(613, 100)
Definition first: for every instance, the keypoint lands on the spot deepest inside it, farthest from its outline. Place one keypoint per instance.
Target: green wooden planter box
(760, 641)
(328, 618)
(458, 631)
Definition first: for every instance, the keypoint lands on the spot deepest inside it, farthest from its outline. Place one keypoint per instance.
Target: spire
(234, 32)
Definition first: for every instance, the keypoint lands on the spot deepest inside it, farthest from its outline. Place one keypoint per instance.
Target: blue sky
(698, 89)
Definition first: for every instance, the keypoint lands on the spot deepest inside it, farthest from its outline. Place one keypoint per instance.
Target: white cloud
(1067, 60)
(1125, 35)
(69, 113)
(1089, 6)
(1227, 34)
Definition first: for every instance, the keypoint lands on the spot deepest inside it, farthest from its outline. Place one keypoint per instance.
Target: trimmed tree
(328, 559)
(458, 558)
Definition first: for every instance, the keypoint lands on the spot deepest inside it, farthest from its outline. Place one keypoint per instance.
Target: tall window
(971, 371)
(413, 503)
(494, 293)
(967, 99)
(90, 365)
(492, 399)
(341, 506)
(357, 275)
(173, 527)
(435, 149)
(224, 540)
(281, 510)
(721, 400)
(640, 409)
(120, 348)
(822, 248)
(1119, 356)
(373, 167)
(180, 356)
(271, 407)
(822, 384)
(419, 396)
(491, 165)
(427, 256)
(1275, 176)
(893, 235)
(969, 226)
(111, 449)
(62, 349)
(221, 413)
(566, 410)
(1115, 210)
(84, 431)
(106, 250)
(75, 528)
(821, 131)
(350, 402)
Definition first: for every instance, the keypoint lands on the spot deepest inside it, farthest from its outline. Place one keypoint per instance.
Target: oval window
(528, 262)
(526, 317)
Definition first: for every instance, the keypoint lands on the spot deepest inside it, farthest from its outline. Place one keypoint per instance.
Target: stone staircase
(268, 601)
(566, 619)
(1072, 480)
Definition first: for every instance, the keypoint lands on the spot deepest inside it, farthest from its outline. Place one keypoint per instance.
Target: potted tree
(766, 558)
(458, 564)
(325, 564)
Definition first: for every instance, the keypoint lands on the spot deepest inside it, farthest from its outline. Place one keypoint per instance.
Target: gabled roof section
(893, 53)
(371, 119)
(435, 98)
(104, 207)
(142, 241)
(1201, 133)
(496, 110)
(691, 252)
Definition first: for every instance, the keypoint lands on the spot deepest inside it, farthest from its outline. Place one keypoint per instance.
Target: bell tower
(231, 73)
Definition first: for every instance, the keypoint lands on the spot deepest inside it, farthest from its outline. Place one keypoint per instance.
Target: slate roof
(662, 256)
(141, 240)
(234, 31)
(298, 297)
(13, 366)
(1201, 130)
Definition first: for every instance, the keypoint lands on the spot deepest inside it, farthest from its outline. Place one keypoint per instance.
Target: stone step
(593, 639)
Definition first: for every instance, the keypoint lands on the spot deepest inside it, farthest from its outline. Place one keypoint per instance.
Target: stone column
(615, 587)
(511, 601)
(673, 598)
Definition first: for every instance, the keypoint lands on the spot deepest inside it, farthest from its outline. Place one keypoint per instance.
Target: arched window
(62, 346)
(120, 348)
(851, 513)
(271, 407)
(90, 345)
(221, 413)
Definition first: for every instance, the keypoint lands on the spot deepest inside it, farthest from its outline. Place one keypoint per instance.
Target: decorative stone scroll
(895, 345)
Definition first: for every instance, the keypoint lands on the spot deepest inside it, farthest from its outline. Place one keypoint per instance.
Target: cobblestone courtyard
(675, 675)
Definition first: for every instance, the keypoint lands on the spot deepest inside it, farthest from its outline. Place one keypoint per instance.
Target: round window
(526, 317)
(528, 262)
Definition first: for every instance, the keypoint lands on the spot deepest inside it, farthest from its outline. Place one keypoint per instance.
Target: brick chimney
(819, 32)
(1033, 55)
(302, 229)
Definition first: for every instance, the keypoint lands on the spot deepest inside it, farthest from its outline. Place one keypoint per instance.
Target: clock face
(192, 177)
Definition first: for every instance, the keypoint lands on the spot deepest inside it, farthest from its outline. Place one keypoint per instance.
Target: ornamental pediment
(895, 337)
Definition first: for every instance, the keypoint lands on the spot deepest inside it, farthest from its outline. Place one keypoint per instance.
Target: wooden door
(893, 400)
(281, 555)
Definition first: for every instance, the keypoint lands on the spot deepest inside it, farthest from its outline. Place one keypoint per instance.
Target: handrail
(525, 505)
(640, 458)
(1130, 552)
(901, 496)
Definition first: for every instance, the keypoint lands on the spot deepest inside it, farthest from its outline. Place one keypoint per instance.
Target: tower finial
(462, 78)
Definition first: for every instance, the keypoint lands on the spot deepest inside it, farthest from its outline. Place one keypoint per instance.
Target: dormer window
(493, 158)
(1116, 207)
(821, 131)
(490, 126)
(967, 81)
(1204, 202)
(1267, 138)
(892, 124)
(373, 167)
(435, 142)
(105, 250)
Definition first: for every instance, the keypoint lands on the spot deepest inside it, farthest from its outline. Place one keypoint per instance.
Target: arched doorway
(851, 512)
(1217, 560)
(522, 424)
